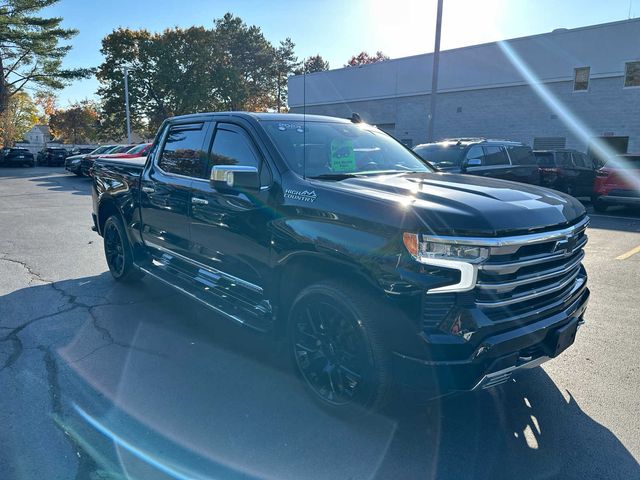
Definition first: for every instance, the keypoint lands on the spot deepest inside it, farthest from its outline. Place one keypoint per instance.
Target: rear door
(585, 174)
(524, 167)
(165, 197)
(495, 162)
(229, 228)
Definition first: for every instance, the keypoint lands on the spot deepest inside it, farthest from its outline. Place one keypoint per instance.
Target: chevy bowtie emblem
(567, 245)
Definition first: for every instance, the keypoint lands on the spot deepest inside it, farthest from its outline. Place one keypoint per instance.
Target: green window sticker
(342, 157)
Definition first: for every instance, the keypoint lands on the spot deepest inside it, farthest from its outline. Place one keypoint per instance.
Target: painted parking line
(628, 254)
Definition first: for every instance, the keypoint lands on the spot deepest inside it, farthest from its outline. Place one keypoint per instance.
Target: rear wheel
(338, 350)
(118, 252)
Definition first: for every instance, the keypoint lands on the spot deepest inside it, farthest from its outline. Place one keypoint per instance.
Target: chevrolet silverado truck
(379, 273)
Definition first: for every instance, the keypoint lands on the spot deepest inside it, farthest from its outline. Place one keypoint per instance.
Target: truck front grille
(530, 277)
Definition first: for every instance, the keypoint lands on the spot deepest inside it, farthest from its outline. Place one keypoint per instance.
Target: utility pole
(434, 76)
(126, 102)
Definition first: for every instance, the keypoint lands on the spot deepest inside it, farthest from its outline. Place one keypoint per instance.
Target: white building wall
(494, 98)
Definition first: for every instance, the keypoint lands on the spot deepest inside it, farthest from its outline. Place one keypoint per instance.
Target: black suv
(52, 156)
(17, 156)
(477, 156)
(375, 271)
(566, 170)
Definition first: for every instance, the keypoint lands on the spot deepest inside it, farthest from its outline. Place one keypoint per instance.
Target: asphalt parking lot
(103, 380)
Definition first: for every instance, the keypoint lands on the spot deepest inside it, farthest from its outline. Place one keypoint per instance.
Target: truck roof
(261, 116)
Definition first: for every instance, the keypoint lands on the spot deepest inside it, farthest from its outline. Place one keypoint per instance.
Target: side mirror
(234, 177)
(473, 162)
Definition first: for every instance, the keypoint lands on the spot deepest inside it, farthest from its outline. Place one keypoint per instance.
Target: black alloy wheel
(337, 349)
(114, 249)
(117, 251)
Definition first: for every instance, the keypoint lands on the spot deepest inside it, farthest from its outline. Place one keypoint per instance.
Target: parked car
(52, 156)
(566, 170)
(87, 162)
(82, 150)
(488, 158)
(617, 183)
(17, 156)
(377, 271)
(73, 162)
(140, 150)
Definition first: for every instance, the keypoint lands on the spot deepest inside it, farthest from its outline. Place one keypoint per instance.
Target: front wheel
(118, 252)
(338, 349)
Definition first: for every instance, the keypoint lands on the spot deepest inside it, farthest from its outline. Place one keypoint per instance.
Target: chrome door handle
(148, 189)
(199, 201)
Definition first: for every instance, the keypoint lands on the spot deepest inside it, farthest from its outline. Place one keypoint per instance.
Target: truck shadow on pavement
(145, 384)
(64, 183)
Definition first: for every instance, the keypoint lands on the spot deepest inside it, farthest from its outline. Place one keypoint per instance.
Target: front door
(165, 197)
(229, 228)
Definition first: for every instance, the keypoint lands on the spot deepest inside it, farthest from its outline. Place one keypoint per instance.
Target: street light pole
(434, 76)
(126, 102)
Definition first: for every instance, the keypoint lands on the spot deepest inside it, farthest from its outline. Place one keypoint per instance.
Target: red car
(133, 151)
(617, 183)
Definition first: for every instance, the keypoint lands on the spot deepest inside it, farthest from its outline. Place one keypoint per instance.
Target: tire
(337, 348)
(598, 205)
(118, 253)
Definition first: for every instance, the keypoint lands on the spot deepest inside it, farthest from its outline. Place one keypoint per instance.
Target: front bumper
(496, 357)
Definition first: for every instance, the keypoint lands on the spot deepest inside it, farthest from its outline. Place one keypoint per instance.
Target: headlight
(464, 258)
(75, 162)
(423, 250)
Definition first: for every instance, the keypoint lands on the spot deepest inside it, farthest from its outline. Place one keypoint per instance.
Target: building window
(632, 74)
(581, 79)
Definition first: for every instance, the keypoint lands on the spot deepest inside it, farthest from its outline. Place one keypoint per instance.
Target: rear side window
(182, 153)
(580, 160)
(231, 147)
(521, 155)
(563, 159)
(545, 159)
(495, 156)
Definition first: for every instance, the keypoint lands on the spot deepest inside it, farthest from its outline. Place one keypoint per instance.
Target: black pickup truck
(379, 273)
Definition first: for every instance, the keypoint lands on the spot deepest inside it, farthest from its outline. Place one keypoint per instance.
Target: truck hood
(456, 204)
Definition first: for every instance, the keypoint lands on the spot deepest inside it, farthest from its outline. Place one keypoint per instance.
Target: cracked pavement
(100, 380)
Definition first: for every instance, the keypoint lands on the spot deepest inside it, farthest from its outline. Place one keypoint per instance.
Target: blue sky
(336, 29)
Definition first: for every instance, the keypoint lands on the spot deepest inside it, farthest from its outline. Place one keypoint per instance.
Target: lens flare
(568, 118)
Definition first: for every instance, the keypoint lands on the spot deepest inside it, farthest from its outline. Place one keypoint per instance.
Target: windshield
(331, 148)
(442, 155)
(626, 162)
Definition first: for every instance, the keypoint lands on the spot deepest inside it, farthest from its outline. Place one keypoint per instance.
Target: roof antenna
(356, 118)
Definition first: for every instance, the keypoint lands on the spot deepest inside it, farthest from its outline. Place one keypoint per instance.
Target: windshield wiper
(333, 176)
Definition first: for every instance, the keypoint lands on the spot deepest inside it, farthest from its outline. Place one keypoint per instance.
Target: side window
(495, 156)
(182, 153)
(579, 160)
(232, 147)
(475, 153)
(563, 159)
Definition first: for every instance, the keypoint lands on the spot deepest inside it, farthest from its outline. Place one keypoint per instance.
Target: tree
(18, 118)
(313, 64)
(46, 103)
(236, 68)
(30, 50)
(363, 58)
(76, 124)
(286, 63)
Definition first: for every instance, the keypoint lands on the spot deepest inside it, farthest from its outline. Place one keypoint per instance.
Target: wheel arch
(301, 269)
